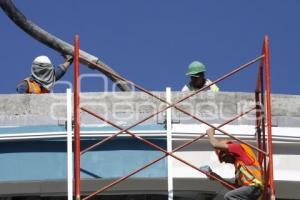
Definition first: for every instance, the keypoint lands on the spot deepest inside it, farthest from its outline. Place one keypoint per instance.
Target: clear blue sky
(152, 42)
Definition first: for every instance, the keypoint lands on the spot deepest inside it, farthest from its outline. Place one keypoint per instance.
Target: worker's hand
(68, 58)
(213, 174)
(68, 61)
(207, 170)
(210, 131)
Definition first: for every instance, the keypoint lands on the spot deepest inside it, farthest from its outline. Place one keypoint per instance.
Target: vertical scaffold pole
(258, 125)
(269, 115)
(77, 118)
(69, 144)
(169, 146)
(263, 128)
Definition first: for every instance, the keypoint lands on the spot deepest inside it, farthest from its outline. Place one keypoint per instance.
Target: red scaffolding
(264, 142)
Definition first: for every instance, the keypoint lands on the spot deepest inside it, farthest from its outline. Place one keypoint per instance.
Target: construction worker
(196, 72)
(248, 174)
(43, 75)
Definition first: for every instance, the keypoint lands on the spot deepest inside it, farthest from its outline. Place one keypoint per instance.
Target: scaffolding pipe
(69, 144)
(258, 125)
(169, 145)
(159, 148)
(262, 139)
(158, 159)
(169, 106)
(259, 107)
(259, 120)
(77, 118)
(263, 126)
(269, 115)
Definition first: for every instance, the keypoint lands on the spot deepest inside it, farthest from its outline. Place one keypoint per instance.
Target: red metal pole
(262, 104)
(263, 129)
(259, 108)
(260, 123)
(263, 115)
(77, 118)
(269, 115)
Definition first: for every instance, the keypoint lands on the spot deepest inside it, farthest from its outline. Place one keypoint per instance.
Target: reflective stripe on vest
(246, 177)
(248, 174)
(34, 87)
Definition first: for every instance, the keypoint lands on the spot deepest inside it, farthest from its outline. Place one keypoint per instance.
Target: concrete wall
(128, 107)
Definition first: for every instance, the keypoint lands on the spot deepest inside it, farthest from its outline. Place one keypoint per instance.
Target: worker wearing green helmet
(196, 72)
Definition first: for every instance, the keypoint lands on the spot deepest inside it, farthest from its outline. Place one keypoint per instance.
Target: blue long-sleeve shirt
(58, 71)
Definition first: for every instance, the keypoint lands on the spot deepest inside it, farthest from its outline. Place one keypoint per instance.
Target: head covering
(42, 72)
(195, 67)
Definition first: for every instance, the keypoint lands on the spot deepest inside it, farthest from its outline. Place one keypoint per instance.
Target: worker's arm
(62, 68)
(222, 146)
(214, 176)
(68, 61)
(214, 142)
(22, 88)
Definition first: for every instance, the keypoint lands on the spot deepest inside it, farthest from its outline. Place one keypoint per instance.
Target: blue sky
(152, 42)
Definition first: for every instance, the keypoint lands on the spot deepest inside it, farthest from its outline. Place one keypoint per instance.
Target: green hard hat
(195, 67)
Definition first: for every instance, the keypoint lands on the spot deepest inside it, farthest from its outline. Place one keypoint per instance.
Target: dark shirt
(58, 71)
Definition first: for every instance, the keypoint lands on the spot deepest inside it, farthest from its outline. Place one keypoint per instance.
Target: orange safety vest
(34, 87)
(251, 174)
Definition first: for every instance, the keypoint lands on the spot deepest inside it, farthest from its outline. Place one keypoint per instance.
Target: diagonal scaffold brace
(262, 152)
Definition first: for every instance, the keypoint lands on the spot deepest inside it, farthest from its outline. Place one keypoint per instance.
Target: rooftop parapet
(128, 107)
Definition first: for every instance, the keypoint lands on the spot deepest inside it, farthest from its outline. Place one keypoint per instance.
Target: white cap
(42, 60)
